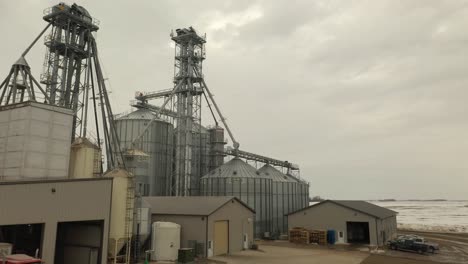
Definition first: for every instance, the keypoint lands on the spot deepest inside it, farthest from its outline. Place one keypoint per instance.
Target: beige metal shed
(213, 225)
(357, 222)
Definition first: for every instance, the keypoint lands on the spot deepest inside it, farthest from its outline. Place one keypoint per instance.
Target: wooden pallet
(299, 235)
(318, 236)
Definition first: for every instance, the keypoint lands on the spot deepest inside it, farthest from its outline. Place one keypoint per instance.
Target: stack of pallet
(299, 235)
(318, 236)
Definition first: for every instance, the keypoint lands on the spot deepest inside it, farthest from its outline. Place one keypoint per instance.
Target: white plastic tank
(85, 159)
(165, 241)
(120, 186)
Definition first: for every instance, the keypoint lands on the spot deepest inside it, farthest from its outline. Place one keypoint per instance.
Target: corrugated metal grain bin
(285, 198)
(157, 143)
(239, 179)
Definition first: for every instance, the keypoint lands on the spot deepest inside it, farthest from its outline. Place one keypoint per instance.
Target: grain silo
(285, 198)
(302, 193)
(216, 145)
(85, 159)
(121, 206)
(200, 159)
(239, 179)
(157, 143)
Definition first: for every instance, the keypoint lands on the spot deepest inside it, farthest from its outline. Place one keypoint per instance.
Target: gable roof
(193, 205)
(360, 206)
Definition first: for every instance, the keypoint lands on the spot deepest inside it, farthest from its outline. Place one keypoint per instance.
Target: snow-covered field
(442, 216)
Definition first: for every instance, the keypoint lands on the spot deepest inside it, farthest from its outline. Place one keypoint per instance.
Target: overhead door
(221, 238)
(358, 232)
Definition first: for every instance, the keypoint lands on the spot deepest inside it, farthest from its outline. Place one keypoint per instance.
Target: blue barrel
(331, 237)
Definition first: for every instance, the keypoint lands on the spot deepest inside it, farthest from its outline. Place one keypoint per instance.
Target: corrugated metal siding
(237, 178)
(285, 197)
(158, 144)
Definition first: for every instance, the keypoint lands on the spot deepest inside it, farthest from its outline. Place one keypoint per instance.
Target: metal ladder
(129, 216)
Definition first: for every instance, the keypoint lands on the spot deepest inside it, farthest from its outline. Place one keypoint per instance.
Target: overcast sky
(368, 97)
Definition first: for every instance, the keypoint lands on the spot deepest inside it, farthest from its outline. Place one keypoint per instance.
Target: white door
(340, 237)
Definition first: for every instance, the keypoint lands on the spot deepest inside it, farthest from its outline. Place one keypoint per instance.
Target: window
(341, 234)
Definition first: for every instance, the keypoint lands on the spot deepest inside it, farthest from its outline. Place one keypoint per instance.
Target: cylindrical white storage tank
(285, 194)
(157, 143)
(120, 187)
(239, 179)
(165, 241)
(85, 159)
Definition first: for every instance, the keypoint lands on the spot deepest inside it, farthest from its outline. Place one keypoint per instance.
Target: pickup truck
(432, 247)
(408, 245)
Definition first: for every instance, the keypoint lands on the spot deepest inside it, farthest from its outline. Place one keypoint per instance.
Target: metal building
(285, 198)
(356, 222)
(239, 179)
(157, 143)
(211, 225)
(34, 141)
(66, 220)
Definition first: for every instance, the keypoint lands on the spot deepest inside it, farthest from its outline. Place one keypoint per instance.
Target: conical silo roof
(138, 114)
(234, 168)
(299, 180)
(273, 173)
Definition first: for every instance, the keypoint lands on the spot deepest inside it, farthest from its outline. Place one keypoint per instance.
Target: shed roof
(360, 206)
(193, 205)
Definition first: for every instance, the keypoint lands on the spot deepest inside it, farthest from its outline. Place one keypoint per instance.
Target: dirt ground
(282, 254)
(453, 249)
(383, 259)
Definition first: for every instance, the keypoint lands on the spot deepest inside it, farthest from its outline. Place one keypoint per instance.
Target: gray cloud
(367, 96)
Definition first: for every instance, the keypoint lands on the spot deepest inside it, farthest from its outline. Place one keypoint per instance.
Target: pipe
(176, 88)
(35, 40)
(234, 142)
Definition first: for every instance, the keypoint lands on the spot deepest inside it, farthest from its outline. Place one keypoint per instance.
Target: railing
(56, 9)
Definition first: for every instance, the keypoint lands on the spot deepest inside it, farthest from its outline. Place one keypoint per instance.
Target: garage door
(358, 232)
(221, 238)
